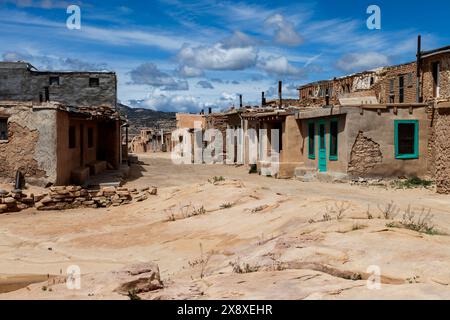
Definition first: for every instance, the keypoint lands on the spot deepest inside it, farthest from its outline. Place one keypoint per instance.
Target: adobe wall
(31, 144)
(187, 121)
(291, 155)
(339, 165)
(105, 145)
(371, 144)
(366, 144)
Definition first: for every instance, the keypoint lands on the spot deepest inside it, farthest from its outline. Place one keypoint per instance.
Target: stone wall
(72, 197)
(365, 155)
(444, 77)
(19, 83)
(383, 87)
(442, 151)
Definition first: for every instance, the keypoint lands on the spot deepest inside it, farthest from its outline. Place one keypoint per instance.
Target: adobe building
(152, 140)
(57, 128)
(387, 123)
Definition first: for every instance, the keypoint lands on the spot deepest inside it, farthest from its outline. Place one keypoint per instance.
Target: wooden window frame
(336, 156)
(415, 154)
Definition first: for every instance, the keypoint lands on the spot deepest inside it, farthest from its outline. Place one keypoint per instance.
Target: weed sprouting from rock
(389, 211)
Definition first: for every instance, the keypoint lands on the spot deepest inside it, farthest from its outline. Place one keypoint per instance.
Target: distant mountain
(140, 118)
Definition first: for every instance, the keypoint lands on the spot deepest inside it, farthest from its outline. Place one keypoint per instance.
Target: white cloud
(239, 40)
(42, 4)
(280, 66)
(285, 32)
(172, 103)
(149, 74)
(189, 72)
(362, 61)
(47, 62)
(21, 22)
(217, 57)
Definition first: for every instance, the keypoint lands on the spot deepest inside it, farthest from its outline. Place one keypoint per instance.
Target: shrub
(411, 183)
(226, 206)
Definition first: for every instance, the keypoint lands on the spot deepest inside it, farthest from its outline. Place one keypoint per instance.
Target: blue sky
(176, 55)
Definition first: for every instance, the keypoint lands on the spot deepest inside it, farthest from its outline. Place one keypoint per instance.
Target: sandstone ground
(240, 237)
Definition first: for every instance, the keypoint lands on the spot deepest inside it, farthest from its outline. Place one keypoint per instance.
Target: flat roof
(30, 67)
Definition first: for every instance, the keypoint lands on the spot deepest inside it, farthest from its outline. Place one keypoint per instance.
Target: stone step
(332, 177)
(97, 167)
(79, 176)
(301, 171)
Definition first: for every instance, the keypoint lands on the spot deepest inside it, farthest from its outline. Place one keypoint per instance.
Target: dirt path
(229, 239)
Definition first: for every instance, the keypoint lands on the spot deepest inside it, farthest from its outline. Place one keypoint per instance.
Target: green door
(322, 147)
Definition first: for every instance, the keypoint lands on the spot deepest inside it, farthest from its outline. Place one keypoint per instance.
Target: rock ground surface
(247, 237)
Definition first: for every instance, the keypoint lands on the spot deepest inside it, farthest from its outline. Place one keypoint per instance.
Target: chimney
(418, 65)
(240, 101)
(263, 99)
(280, 92)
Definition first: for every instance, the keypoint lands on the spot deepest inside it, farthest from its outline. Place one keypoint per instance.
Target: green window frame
(311, 140)
(334, 144)
(398, 153)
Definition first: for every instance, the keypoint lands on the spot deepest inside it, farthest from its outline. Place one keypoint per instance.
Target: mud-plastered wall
(31, 144)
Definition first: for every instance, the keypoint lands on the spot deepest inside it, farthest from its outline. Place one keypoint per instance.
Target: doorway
(322, 147)
(81, 145)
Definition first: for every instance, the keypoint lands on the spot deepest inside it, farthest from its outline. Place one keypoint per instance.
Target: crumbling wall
(365, 155)
(18, 153)
(442, 151)
(31, 144)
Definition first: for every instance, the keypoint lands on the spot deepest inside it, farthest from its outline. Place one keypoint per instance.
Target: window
(90, 138)
(407, 139)
(436, 79)
(410, 79)
(54, 81)
(334, 129)
(391, 91)
(94, 82)
(401, 89)
(311, 140)
(72, 137)
(3, 129)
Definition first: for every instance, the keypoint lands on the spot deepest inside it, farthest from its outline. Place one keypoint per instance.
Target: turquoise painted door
(322, 147)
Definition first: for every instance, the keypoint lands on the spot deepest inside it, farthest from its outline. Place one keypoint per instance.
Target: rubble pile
(16, 200)
(72, 197)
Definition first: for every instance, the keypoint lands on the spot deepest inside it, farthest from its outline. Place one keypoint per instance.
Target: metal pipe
(280, 93)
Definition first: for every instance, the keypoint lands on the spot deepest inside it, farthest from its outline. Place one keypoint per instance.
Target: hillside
(145, 118)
